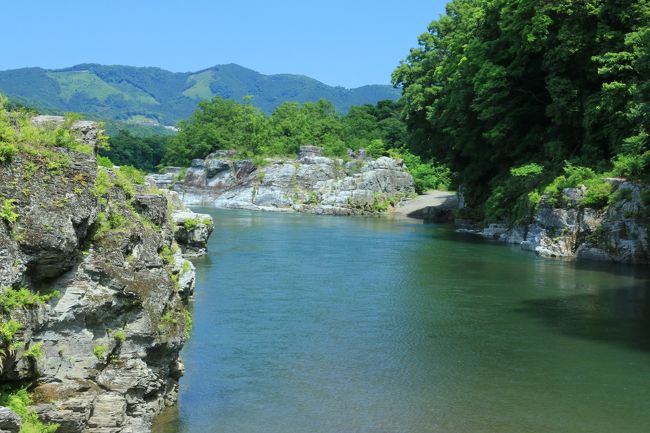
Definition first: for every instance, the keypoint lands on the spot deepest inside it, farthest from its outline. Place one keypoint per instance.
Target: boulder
(192, 231)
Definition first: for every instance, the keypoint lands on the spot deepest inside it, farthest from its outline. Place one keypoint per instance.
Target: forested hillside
(522, 98)
(151, 94)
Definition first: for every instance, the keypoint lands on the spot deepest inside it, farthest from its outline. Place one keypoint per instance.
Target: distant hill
(143, 95)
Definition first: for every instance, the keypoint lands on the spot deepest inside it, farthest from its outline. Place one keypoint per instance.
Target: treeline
(221, 124)
(514, 94)
(227, 124)
(143, 152)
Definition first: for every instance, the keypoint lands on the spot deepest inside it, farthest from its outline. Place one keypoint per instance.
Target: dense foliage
(144, 94)
(226, 124)
(497, 85)
(18, 135)
(144, 153)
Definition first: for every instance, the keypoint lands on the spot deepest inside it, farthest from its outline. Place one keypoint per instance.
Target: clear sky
(340, 42)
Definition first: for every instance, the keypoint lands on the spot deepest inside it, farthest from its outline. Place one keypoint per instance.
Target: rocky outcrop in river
(617, 233)
(95, 286)
(312, 183)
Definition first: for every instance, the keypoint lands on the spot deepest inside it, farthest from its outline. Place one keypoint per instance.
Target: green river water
(343, 324)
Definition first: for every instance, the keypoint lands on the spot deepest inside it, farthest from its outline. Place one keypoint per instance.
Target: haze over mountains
(143, 94)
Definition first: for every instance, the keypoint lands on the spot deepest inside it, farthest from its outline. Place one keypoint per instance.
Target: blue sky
(347, 43)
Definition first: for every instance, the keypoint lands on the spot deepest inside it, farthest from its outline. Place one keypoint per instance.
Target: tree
(498, 84)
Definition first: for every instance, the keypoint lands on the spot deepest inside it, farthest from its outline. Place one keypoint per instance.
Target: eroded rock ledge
(110, 340)
(312, 183)
(617, 233)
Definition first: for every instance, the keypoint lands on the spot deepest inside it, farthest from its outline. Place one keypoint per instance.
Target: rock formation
(312, 183)
(101, 354)
(618, 233)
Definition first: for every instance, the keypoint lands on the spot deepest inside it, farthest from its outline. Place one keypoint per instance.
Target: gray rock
(494, 231)
(216, 166)
(115, 290)
(309, 151)
(9, 421)
(192, 231)
(618, 233)
(313, 184)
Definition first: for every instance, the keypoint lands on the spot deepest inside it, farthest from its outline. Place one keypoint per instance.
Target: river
(372, 325)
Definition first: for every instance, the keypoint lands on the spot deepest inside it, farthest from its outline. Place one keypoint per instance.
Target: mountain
(146, 95)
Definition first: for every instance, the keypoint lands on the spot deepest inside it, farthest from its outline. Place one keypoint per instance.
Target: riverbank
(565, 228)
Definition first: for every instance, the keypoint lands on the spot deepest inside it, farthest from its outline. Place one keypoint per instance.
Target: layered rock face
(312, 183)
(618, 233)
(109, 341)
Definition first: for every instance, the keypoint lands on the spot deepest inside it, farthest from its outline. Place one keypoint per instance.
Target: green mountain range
(154, 95)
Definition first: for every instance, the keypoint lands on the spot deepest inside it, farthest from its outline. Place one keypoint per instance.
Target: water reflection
(620, 316)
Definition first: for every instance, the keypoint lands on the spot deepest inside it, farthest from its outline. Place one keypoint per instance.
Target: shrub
(426, 175)
(598, 193)
(8, 329)
(188, 324)
(35, 351)
(7, 213)
(7, 152)
(132, 174)
(598, 190)
(191, 223)
(495, 206)
(104, 161)
(167, 255)
(532, 169)
(12, 299)
(103, 183)
(632, 166)
(19, 402)
(119, 336)
(99, 351)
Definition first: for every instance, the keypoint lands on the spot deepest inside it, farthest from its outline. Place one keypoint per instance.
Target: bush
(598, 190)
(188, 324)
(7, 152)
(632, 166)
(13, 299)
(19, 402)
(496, 208)
(100, 351)
(7, 213)
(598, 193)
(426, 175)
(104, 161)
(132, 174)
(532, 169)
(167, 255)
(119, 336)
(191, 223)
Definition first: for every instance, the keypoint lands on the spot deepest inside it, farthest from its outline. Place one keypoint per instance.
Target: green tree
(498, 84)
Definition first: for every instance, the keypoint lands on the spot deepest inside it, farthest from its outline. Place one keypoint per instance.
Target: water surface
(334, 325)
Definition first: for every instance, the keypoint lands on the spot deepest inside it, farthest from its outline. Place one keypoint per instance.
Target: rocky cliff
(94, 289)
(617, 233)
(312, 183)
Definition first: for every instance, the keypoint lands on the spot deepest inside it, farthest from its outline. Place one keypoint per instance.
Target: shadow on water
(620, 316)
